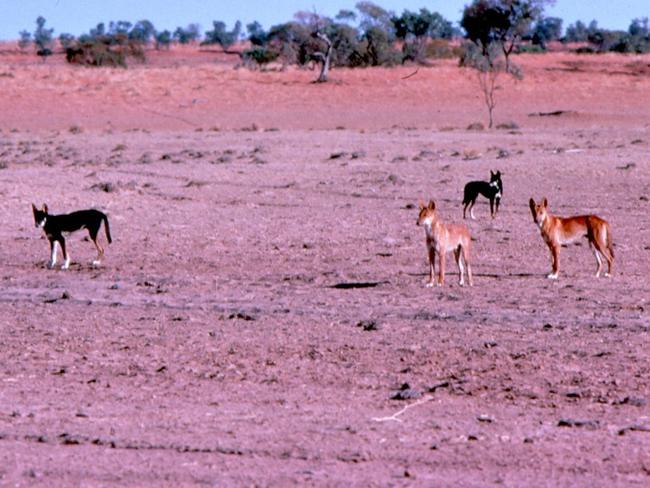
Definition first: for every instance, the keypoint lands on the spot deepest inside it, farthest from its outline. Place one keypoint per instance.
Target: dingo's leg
(66, 256)
(432, 267)
(53, 245)
(555, 260)
(465, 256)
(601, 249)
(441, 269)
(465, 208)
(599, 261)
(461, 268)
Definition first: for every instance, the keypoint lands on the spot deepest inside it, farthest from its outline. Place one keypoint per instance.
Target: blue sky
(77, 16)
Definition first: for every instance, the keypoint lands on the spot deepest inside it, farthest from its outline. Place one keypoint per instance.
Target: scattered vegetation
(495, 28)
(368, 35)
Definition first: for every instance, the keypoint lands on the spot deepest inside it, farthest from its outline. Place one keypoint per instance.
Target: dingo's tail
(107, 229)
(610, 242)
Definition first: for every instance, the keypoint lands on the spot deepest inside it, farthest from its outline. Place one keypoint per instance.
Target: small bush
(260, 55)
(442, 49)
(530, 49)
(107, 51)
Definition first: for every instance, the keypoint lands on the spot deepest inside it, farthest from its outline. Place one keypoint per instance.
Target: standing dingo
(558, 230)
(442, 238)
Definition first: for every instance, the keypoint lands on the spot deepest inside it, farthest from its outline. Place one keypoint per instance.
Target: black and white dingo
(558, 230)
(441, 239)
(492, 190)
(55, 225)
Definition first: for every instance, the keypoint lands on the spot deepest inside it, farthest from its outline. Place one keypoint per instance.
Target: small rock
(405, 392)
(476, 126)
(368, 325)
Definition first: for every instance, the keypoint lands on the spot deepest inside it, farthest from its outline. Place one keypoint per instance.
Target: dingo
(492, 190)
(558, 230)
(442, 238)
(55, 225)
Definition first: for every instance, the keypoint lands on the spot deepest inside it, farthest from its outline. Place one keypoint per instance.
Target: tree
(66, 40)
(639, 28)
(488, 66)
(500, 21)
(546, 29)
(163, 39)
(219, 35)
(43, 38)
(25, 39)
(325, 58)
(100, 47)
(579, 32)
(187, 35)
(416, 28)
(375, 17)
(256, 34)
(143, 31)
(119, 27)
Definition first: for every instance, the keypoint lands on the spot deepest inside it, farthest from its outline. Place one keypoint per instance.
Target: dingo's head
(427, 213)
(40, 216)
(495, 180)
(540, 212)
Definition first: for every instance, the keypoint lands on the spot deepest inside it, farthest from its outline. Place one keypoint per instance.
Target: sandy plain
(261, 317)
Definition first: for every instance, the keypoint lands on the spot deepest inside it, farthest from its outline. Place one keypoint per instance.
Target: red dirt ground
(226, 339)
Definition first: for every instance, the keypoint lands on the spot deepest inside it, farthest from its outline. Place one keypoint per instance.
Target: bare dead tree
(324, 58)
(488, 63)
(487, 79)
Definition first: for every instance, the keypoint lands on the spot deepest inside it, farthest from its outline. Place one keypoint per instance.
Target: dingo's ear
(544, 203)
(421, 204)
(492, 174)
(498, 174)
(44, 208)
(33, 207)
(432, 205)
(531, 204)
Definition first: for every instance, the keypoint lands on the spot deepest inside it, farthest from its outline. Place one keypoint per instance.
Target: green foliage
(66, 40)
(546, 29)
(25, 39)
(530, 49)
(219, 35)
(345, 44)
(163, 39)
(374, 17)
(143, 31)
(415, 29)
(579, 32)
(259, 55)
(501, 21)
(377, 48)
(43, 38)
(605, 40)
(442, 49)
(635, 40)
(101, 48)
(256, 34)
(346, 16)
(371, 43)
(187, 35)
(480, 59)
(422, 25)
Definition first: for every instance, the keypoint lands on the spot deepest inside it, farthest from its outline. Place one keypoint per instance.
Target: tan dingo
(557, 231)
(442, 238)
